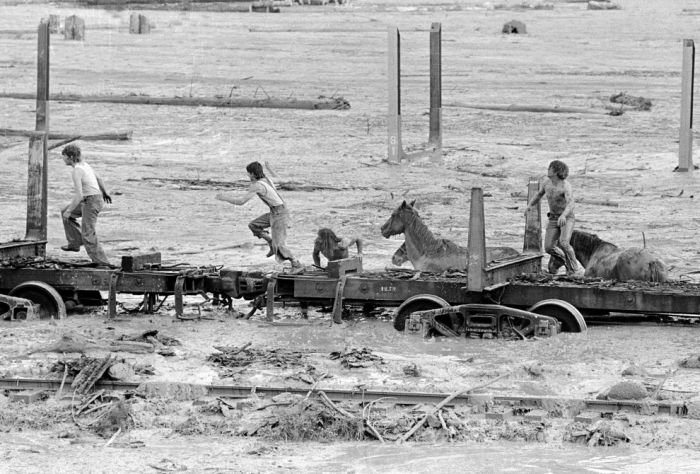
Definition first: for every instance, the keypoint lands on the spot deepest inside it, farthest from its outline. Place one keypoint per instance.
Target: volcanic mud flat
(165, 178)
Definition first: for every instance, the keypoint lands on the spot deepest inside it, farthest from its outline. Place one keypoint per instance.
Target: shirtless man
(333, 247)
(561, 215)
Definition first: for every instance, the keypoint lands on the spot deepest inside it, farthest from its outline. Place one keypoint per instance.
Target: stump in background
(54, 23)
(515, 27)
(74, 29)
(139, 25)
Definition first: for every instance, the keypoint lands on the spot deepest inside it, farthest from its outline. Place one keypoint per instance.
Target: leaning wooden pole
(394, 146)
(476, 258)
(37, 175)
(533, 221)
(685, 151)
(435, 137)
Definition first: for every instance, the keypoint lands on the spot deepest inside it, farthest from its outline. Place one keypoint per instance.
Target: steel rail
(399, 398)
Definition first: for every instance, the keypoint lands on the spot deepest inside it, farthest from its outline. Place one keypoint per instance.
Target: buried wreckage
(505, 298)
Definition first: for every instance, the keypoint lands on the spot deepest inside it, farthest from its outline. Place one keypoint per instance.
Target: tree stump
(74, 29)
(139, 25)
(514, 27)
(264, 6)
(54, 23)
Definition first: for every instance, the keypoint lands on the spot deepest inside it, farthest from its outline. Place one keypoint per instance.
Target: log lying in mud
(526, 108)
(321, 103)
(11, 132)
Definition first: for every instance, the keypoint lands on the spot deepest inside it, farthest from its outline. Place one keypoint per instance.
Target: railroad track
(515, 403)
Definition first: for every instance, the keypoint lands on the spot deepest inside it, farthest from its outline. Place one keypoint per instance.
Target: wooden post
(476, 258)
(395, 148)
(435, 137)
(685, 152)
(74, 28)
(37, 175)
(533, 221)
(138, 24)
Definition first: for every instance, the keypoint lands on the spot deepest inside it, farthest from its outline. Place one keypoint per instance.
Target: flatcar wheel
(411, 306)
(571, 318)
(50, 303)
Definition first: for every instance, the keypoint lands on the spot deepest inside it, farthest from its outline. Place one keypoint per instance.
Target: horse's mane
(432, 244)
(585, 244)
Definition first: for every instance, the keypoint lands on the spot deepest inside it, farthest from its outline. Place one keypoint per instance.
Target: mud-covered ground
(165, 178)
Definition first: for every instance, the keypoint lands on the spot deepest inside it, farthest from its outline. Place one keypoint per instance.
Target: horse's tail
(657, 271)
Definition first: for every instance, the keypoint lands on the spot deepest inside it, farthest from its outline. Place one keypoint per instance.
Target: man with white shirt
(89, 196)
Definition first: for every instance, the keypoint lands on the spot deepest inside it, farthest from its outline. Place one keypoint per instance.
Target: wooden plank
(37, 178)
(685, 151)
(394, 146)
(133, 263)
(11, 132)
(435, 136)
(533, 221)
(606, 298)
(338, 268)
(33, 248)
(476, 247)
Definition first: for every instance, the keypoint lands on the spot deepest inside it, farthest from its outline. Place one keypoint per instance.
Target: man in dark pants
(89, 196)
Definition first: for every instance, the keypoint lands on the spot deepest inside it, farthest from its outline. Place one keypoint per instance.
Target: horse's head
(400, 256)
(397, 222)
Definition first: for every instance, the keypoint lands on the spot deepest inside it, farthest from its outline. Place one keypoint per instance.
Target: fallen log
(10, 132)
(321, 103)
(81, 344)
(526, 108)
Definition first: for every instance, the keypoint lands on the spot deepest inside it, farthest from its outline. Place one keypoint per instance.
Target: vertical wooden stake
(476, 258)
(395, 149)
(685, 152)
(533, 221)
(270, 315)
(37, 177)
(435, 137)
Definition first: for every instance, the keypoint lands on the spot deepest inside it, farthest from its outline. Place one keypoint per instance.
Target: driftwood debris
(526, 108)
(191, 183)
(443, 403)
(321, 103)
(76, 343)
(11, 132)
(90, 374)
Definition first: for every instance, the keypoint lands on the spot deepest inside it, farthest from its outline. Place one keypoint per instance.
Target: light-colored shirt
(265, 189)
(84, 174)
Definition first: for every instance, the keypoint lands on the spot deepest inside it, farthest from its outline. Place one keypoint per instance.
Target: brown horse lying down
(426, 252)
(605, 260)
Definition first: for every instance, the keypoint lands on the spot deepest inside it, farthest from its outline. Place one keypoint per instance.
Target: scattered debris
(603, 5)
(411, 370)
(91, 373)
(244, 356)
(637, 103)
(691, 362)
(72, 342)
(151, 336)
(352, 358)
(601, 433)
